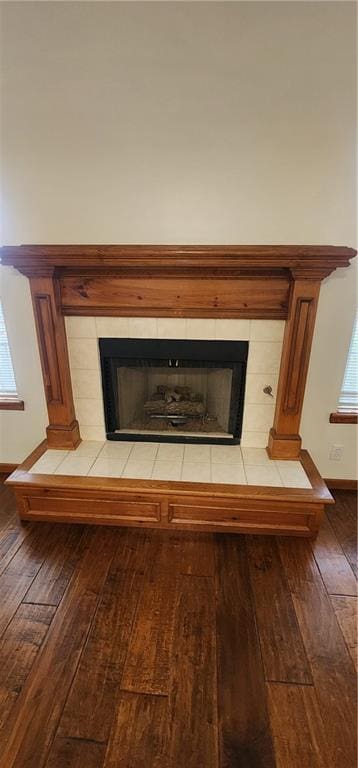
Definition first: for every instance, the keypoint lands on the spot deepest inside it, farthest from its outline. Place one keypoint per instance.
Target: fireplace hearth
(173, 390)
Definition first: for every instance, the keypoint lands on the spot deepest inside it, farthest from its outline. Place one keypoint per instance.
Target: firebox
(173, 390)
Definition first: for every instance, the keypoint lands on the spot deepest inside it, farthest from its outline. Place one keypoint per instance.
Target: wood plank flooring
(125, 648)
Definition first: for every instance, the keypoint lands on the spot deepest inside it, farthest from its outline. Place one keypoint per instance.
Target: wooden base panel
(64, 438)
(284, 447)
(340, 484)
(171, 505)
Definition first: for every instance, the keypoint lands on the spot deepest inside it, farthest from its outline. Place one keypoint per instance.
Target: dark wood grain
(50, 583)
(75, 753)
(62, 703)
(297, 727)
(139, 734)
(147, 667)
(244, 731)
(344, 524)
(20, 572)
(332, 667)
(283, 653)
(39, 706)
(18, 649)
(11, 537)
(345, 609)
(192, 718)
(335, 570)
(94, 694)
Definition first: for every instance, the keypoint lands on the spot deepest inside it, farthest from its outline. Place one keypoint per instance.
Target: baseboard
(7, 469)
(341, 485)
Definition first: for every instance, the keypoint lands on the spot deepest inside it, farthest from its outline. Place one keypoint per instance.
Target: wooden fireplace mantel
(232, 281)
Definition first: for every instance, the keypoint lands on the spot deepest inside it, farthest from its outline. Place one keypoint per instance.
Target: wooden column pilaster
(63, 430)
(284, 438)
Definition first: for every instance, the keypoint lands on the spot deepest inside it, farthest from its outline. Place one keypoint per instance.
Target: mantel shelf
(316, 260)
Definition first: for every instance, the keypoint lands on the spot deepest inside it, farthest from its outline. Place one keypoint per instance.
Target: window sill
(344, 418)
(11, 403)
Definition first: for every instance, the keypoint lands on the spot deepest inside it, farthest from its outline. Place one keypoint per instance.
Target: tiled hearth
(163, 461)
(265, 347)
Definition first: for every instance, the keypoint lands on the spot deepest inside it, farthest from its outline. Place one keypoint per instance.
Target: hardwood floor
(128, 648)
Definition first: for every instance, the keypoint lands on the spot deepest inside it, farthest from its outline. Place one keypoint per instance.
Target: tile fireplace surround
(266, 295)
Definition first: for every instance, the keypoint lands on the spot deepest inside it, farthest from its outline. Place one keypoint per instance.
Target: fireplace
(173, 390)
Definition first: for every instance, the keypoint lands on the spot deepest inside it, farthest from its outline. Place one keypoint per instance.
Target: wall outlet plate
(336, 452)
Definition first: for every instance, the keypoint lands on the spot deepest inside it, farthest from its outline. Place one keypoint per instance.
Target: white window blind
(7, 378)
(348, 400)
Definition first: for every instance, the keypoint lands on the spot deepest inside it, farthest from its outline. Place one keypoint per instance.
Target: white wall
(183, 122)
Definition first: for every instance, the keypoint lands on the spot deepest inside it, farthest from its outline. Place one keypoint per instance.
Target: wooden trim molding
(248, 281)
(11, 403)
(316, 260)
(63, 430)
(343, 418)
(341, 485)
(284, 440)
(7, 469)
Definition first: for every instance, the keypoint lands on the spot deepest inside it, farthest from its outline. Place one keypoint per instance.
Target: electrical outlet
(336, 452)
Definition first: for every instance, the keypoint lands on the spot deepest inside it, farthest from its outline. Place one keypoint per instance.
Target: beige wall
(181, 122)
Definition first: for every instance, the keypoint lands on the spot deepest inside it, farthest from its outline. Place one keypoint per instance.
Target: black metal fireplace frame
(116, 352)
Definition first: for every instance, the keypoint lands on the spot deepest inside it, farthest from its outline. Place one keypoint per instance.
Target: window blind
(348, 400)
(7, 378)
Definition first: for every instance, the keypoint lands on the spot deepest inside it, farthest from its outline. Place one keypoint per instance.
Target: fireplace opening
(173, 390)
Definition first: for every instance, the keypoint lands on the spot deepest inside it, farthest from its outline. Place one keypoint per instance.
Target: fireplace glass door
(175, 390)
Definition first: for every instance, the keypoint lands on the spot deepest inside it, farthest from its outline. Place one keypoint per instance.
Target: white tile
(92, 433)
(140, 470)
(201, 453)
(89, 412)
(196, 472)
(265, 475)
(86, 383)
(89, 448)
(255, 384)
(171, 328)
(142, 327)
(84, 354)
(119, 449)
(48, 462)
(292, 474)
(167, 470)
(228, 473)
(144, 452)
(107, 468)
(254, 439)
(73, 465)
(200, 328)
(255, 456)
(258, 418)
(233, 329)
(226, 454)
(264, 357)
(170, 451)
(267, 330)
(112, 327)
(80, 327)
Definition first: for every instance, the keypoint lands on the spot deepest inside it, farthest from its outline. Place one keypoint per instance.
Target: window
(347, 412)
(8, 395)
(7, 378)
(348, 399)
